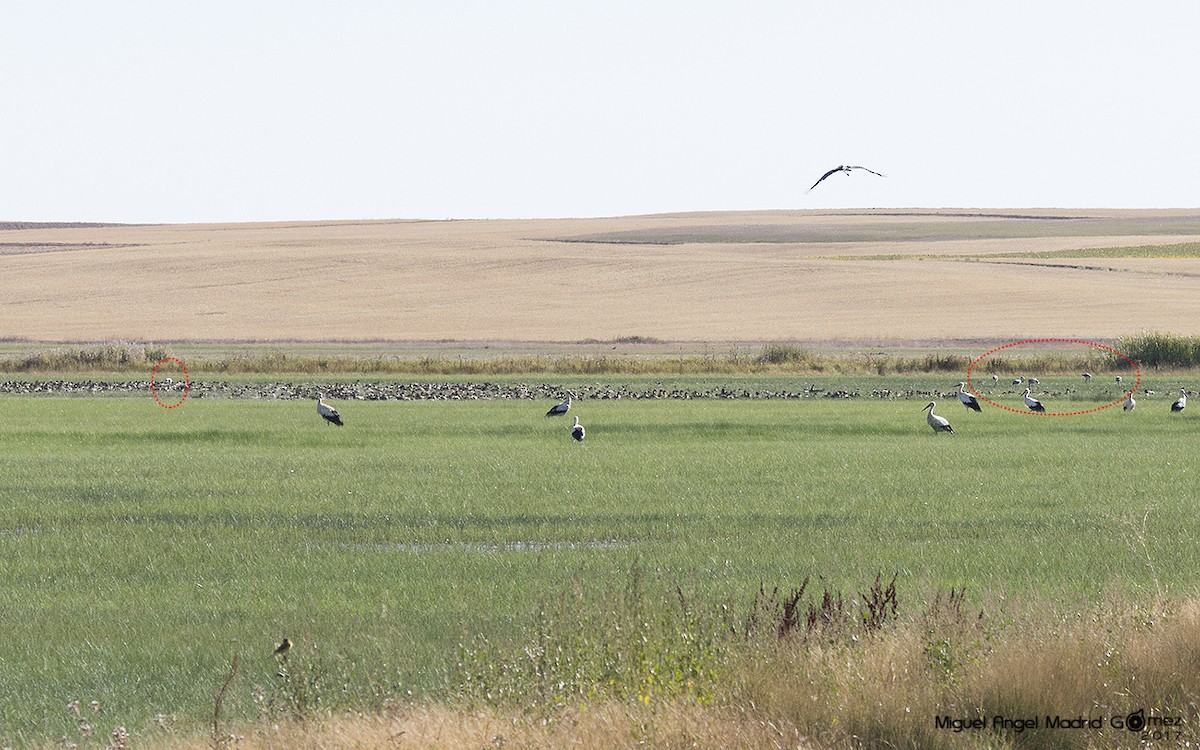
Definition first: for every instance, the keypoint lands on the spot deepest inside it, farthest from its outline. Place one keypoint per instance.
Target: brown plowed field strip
(748, 276)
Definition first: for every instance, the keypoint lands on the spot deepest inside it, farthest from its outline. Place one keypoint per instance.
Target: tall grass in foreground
(831, 669)
(862, 668)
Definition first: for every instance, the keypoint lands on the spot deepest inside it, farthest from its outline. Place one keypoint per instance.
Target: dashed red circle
(1137, 370)
(187, 385)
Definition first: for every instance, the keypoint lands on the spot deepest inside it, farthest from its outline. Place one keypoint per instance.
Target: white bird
(939, 424)
(1033, 403)
(1118, 380)
(577, 430)
(968, 399)
(1129, 403)
(995, 378)
(1033, 381)
(1181, 402)
(1087, 376)
(1018, 381)
(844, 168)
(328, 412)
(560, 408)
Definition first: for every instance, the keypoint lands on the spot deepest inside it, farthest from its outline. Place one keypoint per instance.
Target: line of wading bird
(936, 422)
(331, 416)
(941, 424)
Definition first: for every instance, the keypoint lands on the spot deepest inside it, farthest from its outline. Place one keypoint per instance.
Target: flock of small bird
(331, 416)
(941, 424)
(936, 422)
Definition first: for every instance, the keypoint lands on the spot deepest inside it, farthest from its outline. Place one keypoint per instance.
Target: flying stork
(939, 424)
(1033, 403)
(968, 399)
(1181, 402)
(561, 407)
(577, 431)
(328, 412)
(1129, 403)
(844, 168)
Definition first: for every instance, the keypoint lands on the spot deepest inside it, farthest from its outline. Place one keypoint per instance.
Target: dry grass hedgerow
(888, 691)
(439, 726)
(769, 358)
(834, 684)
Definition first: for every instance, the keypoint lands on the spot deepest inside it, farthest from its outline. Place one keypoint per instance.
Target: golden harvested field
(715, 277)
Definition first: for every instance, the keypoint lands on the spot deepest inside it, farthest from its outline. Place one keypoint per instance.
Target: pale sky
(279, 110)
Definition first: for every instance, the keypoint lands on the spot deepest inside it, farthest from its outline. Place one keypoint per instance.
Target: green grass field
(141, 549)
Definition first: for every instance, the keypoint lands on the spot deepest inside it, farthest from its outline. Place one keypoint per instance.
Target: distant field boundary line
(1075, 267)
(501, 344)
(1067, 266)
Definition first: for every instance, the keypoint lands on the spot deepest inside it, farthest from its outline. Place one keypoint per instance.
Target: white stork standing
(1033, 381)
(995, 379)
(1087, 377)
(844, 168)
(577, 430)
(1118, 380)
(1033, 403)
(1180, 403)
(561, 407)
(328, 412)
(939, 424)
(968, 399)
(1018, 381)
(1129, 403)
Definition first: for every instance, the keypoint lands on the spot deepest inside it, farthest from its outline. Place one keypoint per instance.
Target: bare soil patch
(703, 277)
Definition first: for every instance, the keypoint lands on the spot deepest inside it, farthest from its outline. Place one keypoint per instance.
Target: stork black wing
(818, 182)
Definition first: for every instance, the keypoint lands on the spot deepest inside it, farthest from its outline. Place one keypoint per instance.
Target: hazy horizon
(145, 113)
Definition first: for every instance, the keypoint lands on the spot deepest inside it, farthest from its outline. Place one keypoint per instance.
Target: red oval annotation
(1137, 371)
(187, 384)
